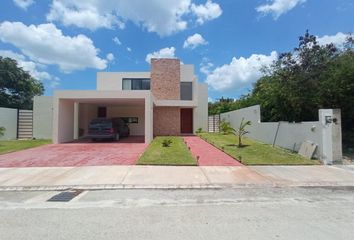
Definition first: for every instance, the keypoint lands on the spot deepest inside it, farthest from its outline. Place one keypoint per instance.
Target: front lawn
(176, 154)
(7, 146)
(255, 153)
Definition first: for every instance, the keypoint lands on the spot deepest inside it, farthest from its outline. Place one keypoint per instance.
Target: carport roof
(114, 97)
(118, 101)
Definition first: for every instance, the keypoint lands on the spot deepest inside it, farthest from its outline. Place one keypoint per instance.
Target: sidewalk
(118, 177)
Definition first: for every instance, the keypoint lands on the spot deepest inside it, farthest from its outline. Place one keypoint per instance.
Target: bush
(166, 142)
(2, 131)
(199, 130)
(225, 127)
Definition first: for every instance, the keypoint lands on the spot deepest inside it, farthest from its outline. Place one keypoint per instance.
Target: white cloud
(205, 66)
(31, 67)
(10, 54)
(206, 12)
(278, 7)
(24, 4)
(240, 72)
(110, 57)
(117, 41)
(194, 41)
(338, 40)
(162, 53)
(129, 49)
(163, 17)
(84, 14)
(46, 44)
(244, 71)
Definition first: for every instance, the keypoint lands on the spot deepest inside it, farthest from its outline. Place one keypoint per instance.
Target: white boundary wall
(327, 135)
(8, 120)
(42, 117)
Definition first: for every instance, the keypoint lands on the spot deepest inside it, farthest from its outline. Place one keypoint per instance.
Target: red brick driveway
(76, 154)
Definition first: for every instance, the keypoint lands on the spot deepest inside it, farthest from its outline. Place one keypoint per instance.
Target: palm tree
(241, 131)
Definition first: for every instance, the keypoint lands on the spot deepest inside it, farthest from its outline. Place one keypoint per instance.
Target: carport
(73, 110)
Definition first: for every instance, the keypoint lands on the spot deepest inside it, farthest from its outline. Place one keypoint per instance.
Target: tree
(225, 128)
(299, 82)
(336, 90)
(17, 87)
(229, 104)
(241, 131)
(290, 89)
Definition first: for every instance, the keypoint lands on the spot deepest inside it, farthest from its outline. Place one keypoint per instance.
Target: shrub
(199, 130)
(166, 142)
(225, 127)
(2, 131)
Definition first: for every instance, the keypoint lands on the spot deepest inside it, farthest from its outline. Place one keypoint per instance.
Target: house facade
(168, 100)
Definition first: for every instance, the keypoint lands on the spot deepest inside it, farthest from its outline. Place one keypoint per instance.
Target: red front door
(186, 120)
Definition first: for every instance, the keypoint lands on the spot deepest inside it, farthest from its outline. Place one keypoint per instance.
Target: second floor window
(186, 91)
(136, 84)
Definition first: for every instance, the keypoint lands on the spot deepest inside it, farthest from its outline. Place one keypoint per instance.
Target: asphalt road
(271, 213)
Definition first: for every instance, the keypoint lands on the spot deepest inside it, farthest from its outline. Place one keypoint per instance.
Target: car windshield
(100, 122)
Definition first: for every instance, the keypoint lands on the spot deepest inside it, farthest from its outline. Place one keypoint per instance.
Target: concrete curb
(169, 187)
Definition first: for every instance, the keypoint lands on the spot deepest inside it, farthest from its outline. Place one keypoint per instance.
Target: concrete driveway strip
(94, 175)
(152, 176)
(37, 176)
(239, 175)
(60, 176)
(346, 167)
(306, 175)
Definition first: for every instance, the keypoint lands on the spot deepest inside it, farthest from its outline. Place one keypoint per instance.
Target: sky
(64, 43)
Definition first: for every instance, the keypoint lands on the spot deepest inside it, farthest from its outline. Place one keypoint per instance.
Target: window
(127, 84)
(136, 84)
(186, 91)
(130, 119)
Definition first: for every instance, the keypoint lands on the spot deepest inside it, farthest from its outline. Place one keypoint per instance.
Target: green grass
(255, 153)
(7, 146)
(176, 154)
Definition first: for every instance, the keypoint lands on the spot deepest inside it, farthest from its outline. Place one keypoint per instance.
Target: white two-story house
(169, 100)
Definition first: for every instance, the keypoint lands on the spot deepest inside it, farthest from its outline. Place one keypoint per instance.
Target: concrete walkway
(207, 154)
(112, 177)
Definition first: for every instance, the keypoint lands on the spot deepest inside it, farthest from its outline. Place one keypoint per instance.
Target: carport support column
(148, 119)
(76, 120)
(55, 129)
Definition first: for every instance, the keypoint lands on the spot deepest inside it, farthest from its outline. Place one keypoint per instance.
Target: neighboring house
(166, 101)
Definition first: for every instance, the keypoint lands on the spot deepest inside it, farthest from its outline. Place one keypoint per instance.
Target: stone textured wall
(167, 121)
(165, 79)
